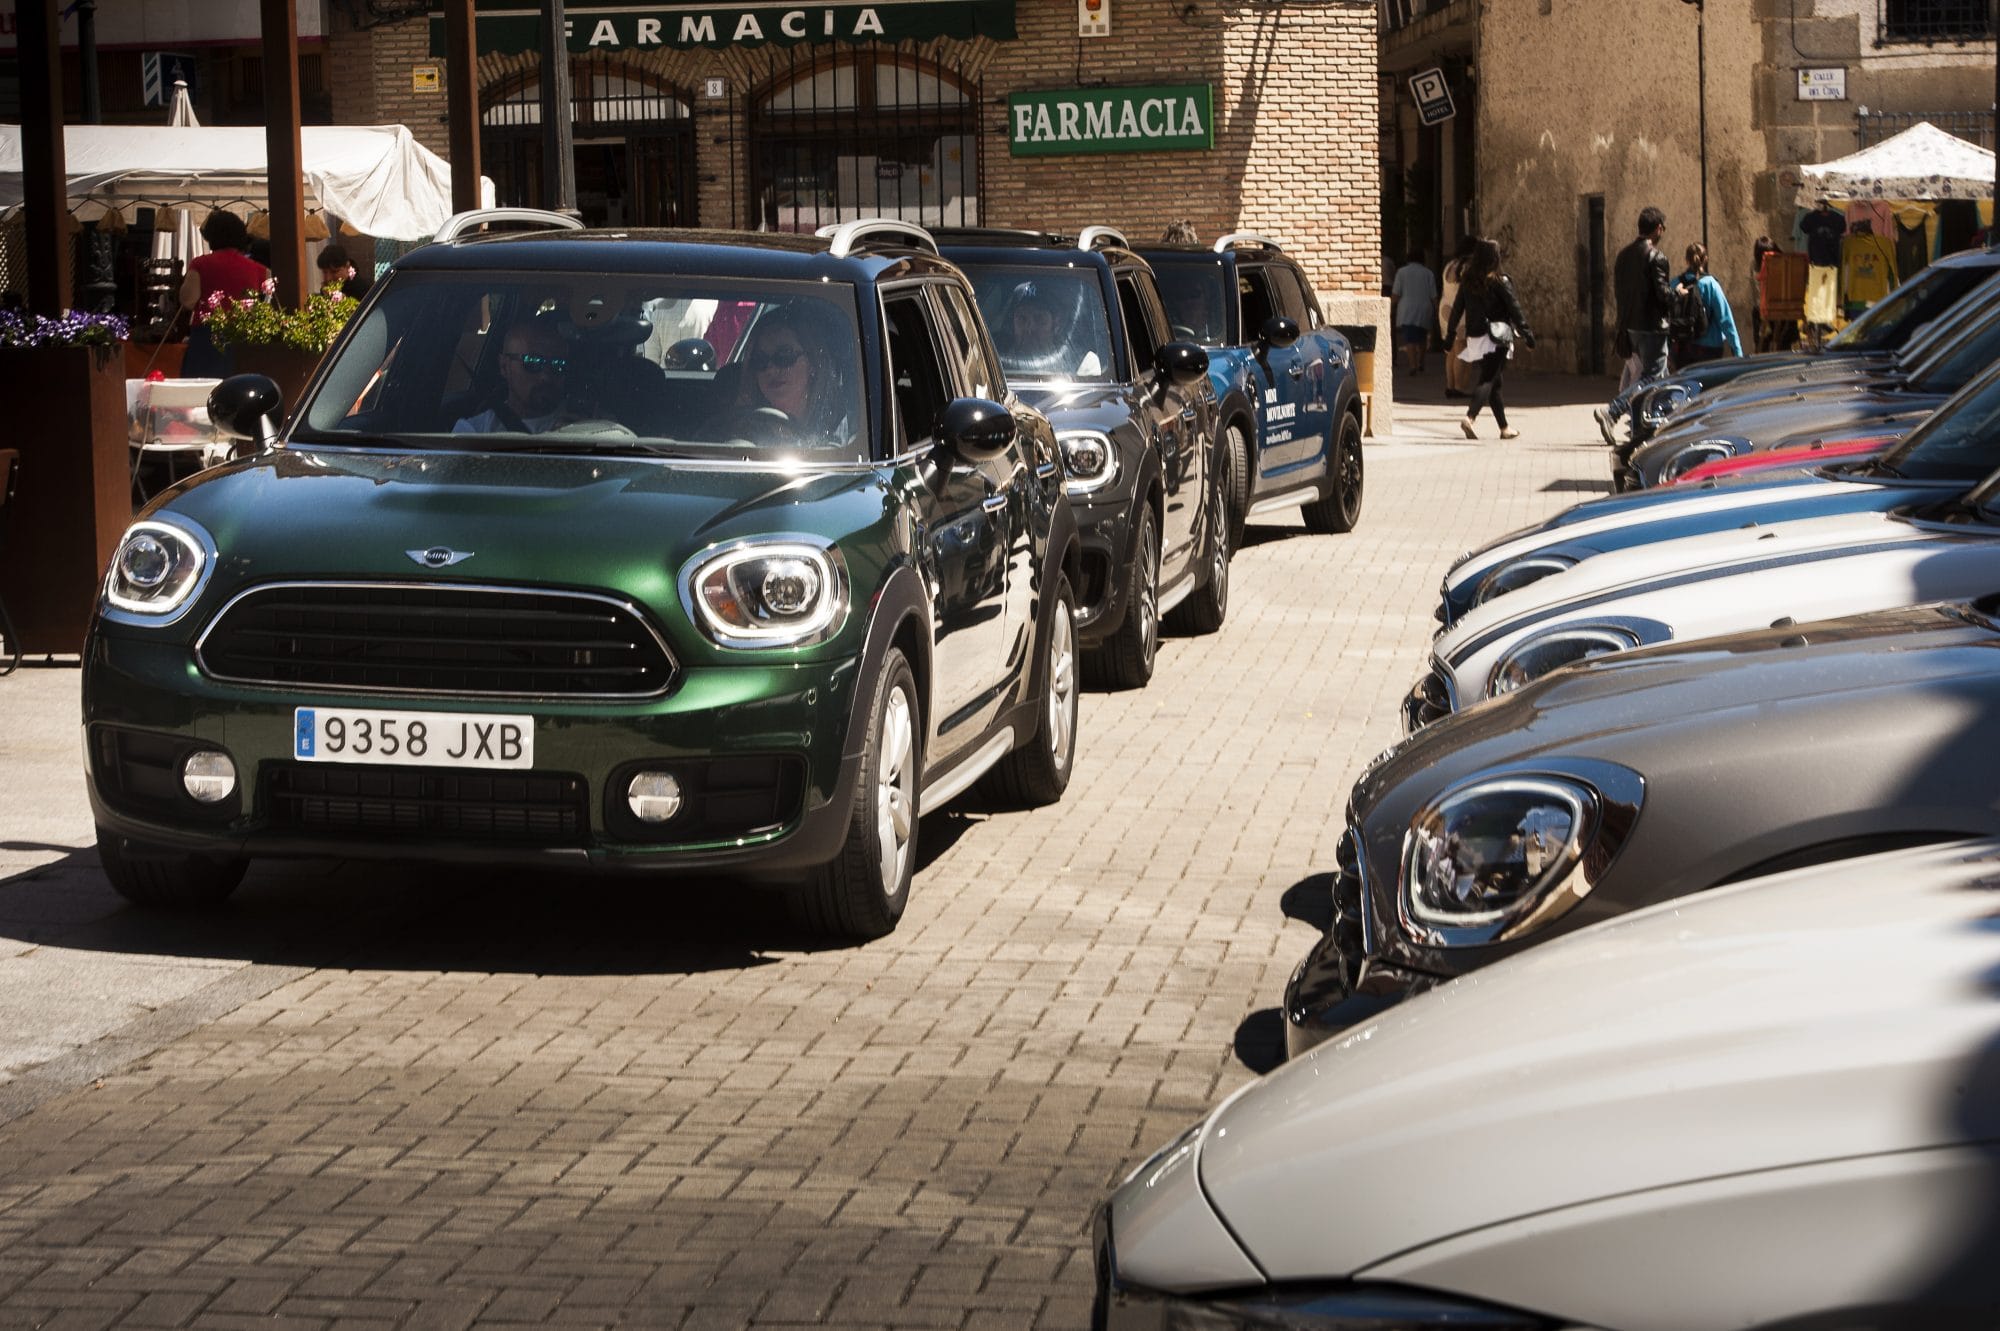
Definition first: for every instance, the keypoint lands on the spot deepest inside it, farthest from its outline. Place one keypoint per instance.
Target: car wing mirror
(1278, 331)
(250, 407)
(1182, 364)
(976, 429)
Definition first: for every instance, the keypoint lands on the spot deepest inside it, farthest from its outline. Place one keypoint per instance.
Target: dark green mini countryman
(683, 551)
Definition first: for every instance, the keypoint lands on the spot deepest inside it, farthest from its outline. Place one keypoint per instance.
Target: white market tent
(376, 178)
(1922, 164)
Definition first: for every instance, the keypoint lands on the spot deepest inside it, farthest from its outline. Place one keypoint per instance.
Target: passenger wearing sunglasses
(534, 365)
(788, 391)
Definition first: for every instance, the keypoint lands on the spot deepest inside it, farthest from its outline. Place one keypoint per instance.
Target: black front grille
(528, 808)
(1350, 936)
(1429, 701)
(432, 639)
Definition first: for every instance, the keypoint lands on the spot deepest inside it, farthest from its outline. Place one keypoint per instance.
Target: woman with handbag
(1493, 323)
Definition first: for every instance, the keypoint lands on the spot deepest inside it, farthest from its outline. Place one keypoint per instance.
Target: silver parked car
(1772, 1106)
(1647, 775)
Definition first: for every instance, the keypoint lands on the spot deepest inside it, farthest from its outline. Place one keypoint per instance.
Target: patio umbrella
(183, 239)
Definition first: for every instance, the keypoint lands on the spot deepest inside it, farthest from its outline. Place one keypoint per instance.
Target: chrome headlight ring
(1498, 857)
(1090, 459)
(1532, 657)
(1662, 402)
(1697, 453)
(1518, 573)
(768, 592)
(157, 572)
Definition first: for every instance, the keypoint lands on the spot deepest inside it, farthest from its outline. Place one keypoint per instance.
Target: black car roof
(1046, 251)
(1981, 258)
(768, 254)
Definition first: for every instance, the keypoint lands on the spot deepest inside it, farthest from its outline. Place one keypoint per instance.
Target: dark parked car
(661, 551)
(1639, 777)
(1083, 338)
(1291, 405)
(1880, 337)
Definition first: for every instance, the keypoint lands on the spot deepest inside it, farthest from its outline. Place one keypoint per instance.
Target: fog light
(208, 776)
(654, 797)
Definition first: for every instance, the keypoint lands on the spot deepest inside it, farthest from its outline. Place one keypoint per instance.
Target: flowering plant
(260, 321)
(72, 328)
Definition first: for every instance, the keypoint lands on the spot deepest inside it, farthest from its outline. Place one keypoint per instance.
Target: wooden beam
(461, 86)
(282, 153)
(44, 178)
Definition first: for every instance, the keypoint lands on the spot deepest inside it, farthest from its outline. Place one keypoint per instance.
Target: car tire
(1208, 605)
(1234, 459)
(1037, 771)
(164, 879)
(1339, 509)
(861, 893)
(1125, 660)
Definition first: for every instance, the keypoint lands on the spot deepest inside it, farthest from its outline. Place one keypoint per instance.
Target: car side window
(966, 338)
(1295, 297)
(1139, 334)
(915, 374)
(1253, 289)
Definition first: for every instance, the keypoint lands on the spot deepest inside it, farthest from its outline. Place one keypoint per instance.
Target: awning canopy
(507, 26)
(1922, 163)
(376, 178)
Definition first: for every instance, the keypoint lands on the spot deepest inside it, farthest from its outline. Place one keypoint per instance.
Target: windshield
(1197, 301)
(1960, 441)
(1050, 324)
(1953, 364)
(1890, 322)
(682, 366)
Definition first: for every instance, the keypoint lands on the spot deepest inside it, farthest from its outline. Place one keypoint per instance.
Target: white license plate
(412, 739)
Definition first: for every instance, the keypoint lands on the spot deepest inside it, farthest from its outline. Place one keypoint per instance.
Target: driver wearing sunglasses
(534, 365)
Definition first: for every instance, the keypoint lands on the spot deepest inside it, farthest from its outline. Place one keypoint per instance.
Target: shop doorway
(634, 143)
(875, 133)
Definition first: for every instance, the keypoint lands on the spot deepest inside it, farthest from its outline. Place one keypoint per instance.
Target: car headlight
(1694, 455)
(1089, 459)
(1487, 862)
(1664, 401)
(158, 568)
(1528, 661)
(1518, 573)
(769, 594)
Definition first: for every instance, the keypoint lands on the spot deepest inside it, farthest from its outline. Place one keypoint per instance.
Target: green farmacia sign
(1110, 120)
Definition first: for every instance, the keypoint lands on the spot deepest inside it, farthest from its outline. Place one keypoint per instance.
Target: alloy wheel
(1062, 683)
(895, 788)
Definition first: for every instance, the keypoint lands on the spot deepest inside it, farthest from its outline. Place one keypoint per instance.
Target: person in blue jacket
(1717, 337)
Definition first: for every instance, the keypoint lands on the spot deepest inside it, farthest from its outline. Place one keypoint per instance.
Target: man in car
(1033, 326)
(534, 363)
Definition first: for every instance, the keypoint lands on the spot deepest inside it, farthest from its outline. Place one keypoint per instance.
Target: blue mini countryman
(1291, 406)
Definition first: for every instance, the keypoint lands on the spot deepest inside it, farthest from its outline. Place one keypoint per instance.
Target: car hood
(1704, 1039)
(1078, 406)
(1760, 421)
(614, 523)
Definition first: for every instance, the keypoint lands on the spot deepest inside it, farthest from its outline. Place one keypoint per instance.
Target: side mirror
(1278, 331)
(977, 430)
(249, 407)
(1183, 364)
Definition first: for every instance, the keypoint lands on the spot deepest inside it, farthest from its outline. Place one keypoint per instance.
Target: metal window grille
(1871, 127)
(634, 139)
(1934, 21)
(879, 130)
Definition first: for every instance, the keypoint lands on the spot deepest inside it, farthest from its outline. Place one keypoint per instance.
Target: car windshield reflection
(669, 366)
(1050, 325)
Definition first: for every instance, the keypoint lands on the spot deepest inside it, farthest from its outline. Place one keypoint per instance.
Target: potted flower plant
(64, 384)
(272, 340)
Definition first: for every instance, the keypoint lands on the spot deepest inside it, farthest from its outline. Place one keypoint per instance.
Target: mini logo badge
(439, 556)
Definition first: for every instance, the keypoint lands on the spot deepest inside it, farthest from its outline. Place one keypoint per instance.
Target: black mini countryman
(672, 551)
(1083, 336)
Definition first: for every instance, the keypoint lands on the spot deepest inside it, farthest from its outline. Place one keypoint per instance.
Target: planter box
(290, 369)
(66, 408)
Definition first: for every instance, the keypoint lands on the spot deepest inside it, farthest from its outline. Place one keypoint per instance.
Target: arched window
(875, 133)
(634, 137)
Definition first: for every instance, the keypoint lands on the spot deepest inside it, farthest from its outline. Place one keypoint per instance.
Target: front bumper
(763, 753)
(1105, 531)
(1430, 699)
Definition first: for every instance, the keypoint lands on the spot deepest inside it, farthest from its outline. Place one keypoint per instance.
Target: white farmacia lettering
(604, 34)
(697, 28)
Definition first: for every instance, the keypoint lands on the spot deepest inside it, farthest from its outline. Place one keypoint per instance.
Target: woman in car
(788, 370)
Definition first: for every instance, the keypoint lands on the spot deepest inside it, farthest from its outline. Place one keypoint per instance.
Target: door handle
(994, 503)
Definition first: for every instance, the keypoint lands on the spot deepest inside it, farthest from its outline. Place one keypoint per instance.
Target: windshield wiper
(358, 439)
(602, 447)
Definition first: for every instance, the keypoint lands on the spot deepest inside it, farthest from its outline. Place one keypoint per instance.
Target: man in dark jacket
(1642, 281)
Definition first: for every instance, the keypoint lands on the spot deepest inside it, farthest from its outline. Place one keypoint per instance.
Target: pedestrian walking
(1640, 282)
(1493, 321)
(1415, 293)
(1457, 374)
(1707, 329)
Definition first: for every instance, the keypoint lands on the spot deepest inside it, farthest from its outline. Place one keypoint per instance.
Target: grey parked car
(1774, 1106)
(1647, 775)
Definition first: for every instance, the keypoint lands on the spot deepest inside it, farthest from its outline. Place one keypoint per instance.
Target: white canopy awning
(376, 178)
(1921, 163)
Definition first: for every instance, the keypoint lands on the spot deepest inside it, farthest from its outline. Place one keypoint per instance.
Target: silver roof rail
(849, 236)
(459, 224)
(1091, 236)
(1235, 238)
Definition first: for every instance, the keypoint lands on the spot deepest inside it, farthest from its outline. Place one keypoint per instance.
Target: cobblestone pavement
(401, 1098)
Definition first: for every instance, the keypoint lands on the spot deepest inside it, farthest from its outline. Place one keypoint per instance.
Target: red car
(1808, 455)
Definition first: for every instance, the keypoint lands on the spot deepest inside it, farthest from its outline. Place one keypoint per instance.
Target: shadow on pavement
(1576, 485)
(1260, 1040)
(356, 914)
(1310, 901)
